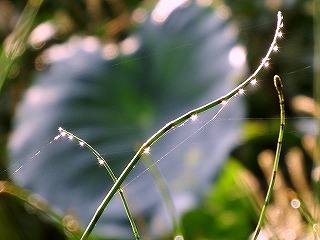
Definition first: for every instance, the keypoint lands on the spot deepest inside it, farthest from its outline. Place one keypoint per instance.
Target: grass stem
(164, 191)
(176, 122)
(279, 87)
(102, 161)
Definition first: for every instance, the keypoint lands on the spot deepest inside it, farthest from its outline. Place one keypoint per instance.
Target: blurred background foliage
(230, 209)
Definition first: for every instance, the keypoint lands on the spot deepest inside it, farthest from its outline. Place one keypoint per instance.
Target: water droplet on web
(57, 137)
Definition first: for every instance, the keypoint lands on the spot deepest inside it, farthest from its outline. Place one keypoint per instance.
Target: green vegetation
(125, 77)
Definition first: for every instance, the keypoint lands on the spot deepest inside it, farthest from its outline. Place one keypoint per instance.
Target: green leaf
(116, 104)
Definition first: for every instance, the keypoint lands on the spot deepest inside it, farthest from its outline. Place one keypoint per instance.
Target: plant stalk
(176, 122)
(279, 87)
(112, 175)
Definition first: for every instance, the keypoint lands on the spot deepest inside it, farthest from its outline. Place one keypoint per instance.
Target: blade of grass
(16, 42)
(103, 162)
(176, 122)
(297, 203)
(279, 87)
(165, 194)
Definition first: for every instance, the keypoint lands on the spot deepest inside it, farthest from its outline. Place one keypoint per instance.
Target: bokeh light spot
(129, 45)
(237, 56)
(164, 8)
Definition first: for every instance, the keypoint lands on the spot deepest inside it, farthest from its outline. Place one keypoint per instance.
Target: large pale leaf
(114, 104)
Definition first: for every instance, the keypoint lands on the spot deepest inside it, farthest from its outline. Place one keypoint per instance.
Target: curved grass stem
(103, 162)
(279, 88)
(176, 122)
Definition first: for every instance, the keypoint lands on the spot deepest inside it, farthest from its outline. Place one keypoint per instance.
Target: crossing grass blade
(103, 162)
(279, 87)
(165, 194)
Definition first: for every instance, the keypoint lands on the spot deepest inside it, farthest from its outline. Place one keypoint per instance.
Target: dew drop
(178, 237)
(241, 91)
(63, 134)
(224, 102)
(194, 117)
(295, 203)
(100, 161)
(81, 143)
(146, 150)
(253, 82)
(57, 137)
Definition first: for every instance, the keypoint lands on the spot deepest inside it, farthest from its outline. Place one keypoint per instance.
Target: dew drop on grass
(63, 134)
(253, 82)
(100, 161)
(241, 91)
(178, 237)
(295, 203)
(146, 150)
(194, 117)
(224, 102)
